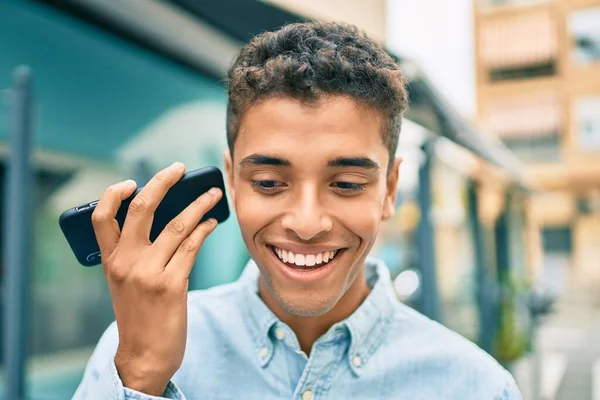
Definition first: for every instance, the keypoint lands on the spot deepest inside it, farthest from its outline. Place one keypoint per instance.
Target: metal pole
(502, 231)
(425, 241)
(502, 244)
(17, 230)
(484, 288)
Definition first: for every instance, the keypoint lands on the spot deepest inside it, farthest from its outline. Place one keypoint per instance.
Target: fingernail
(130, 182)
(212, 221)
(177, 166)
(214, 192)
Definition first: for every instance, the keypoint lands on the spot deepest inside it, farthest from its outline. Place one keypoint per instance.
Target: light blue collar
(366, 326)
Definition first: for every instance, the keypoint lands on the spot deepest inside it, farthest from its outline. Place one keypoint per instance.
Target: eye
(349, 187)
(267, 186)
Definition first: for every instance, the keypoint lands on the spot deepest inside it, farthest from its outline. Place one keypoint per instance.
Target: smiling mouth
(305, 261)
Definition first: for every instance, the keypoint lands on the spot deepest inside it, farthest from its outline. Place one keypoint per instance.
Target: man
(313, 122)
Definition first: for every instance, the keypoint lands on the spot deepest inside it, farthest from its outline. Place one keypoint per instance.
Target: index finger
(105, 225)
(140, 215)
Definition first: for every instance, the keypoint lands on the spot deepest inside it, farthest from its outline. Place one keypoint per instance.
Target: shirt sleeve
(101, 380)
(511, 391)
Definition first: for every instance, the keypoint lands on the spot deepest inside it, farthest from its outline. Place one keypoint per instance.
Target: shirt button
(263, 353)
(280, 333)
(308, 395)
(356, 361)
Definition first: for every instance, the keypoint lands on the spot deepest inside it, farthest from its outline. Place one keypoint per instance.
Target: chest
(328, 374)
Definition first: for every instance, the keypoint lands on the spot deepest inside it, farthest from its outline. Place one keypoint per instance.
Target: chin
(304, 307)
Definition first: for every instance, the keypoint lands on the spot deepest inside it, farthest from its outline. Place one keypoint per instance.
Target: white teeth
(305, 259)
(299, 260)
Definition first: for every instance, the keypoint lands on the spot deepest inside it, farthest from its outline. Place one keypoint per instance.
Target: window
(587, 112)
(584, 26)
(529, 126)
(519, 46)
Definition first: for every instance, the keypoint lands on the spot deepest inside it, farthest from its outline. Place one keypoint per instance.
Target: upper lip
(303, 249)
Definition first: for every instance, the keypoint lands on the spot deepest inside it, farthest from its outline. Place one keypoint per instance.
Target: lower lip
(309, 275)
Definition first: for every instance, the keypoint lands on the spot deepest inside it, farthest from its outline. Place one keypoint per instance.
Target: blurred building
(538, 86)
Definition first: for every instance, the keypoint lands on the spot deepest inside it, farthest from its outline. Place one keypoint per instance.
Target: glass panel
(584, 26)
(101, 106)
(587, 112)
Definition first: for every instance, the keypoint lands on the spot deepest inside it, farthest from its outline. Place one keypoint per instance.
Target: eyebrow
(263, 159)
(361, 162)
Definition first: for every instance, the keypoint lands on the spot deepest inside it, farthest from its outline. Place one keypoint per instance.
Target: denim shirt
(238, 349)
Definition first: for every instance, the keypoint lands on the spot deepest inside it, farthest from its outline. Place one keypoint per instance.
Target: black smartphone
(76, 223)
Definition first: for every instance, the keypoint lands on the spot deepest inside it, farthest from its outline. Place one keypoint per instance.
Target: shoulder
(441, 352)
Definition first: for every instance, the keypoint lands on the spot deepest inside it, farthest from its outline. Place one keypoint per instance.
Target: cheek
(361, 215)
(252, 211)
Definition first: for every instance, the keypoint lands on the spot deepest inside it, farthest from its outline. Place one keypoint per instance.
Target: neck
(309, 329)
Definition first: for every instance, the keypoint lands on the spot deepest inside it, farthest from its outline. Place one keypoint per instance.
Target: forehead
(334, 125)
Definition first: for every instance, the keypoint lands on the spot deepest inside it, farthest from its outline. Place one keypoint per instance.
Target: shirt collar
(366, 326)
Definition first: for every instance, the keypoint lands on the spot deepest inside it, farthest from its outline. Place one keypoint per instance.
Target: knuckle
(138, 205)
(205, 200)
(161, 175)
(117, 274)
(189, 245)
(175, 226)
(111, 191)
(98, 217)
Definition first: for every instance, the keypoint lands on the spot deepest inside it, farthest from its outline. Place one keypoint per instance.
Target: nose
(307, 217)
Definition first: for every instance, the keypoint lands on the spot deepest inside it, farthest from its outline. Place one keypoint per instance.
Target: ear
(389, 204)
(229, 172)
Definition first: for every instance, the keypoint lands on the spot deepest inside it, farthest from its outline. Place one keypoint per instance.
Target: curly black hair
(309, 60)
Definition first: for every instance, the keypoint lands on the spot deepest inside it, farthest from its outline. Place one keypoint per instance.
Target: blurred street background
(497, 233)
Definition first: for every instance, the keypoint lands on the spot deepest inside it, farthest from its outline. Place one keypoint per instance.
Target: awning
(517, 40)
(524, 117)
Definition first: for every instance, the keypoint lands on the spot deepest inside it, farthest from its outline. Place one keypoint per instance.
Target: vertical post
(142, 172)
(17, 233)
(502, 234)
(425, 241)
(484, 288)
(502, 244)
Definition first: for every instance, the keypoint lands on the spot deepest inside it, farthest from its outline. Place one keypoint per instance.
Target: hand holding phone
(148, 281)
(76, 223)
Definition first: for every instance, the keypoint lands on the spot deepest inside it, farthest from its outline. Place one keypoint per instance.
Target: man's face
(309, 187)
